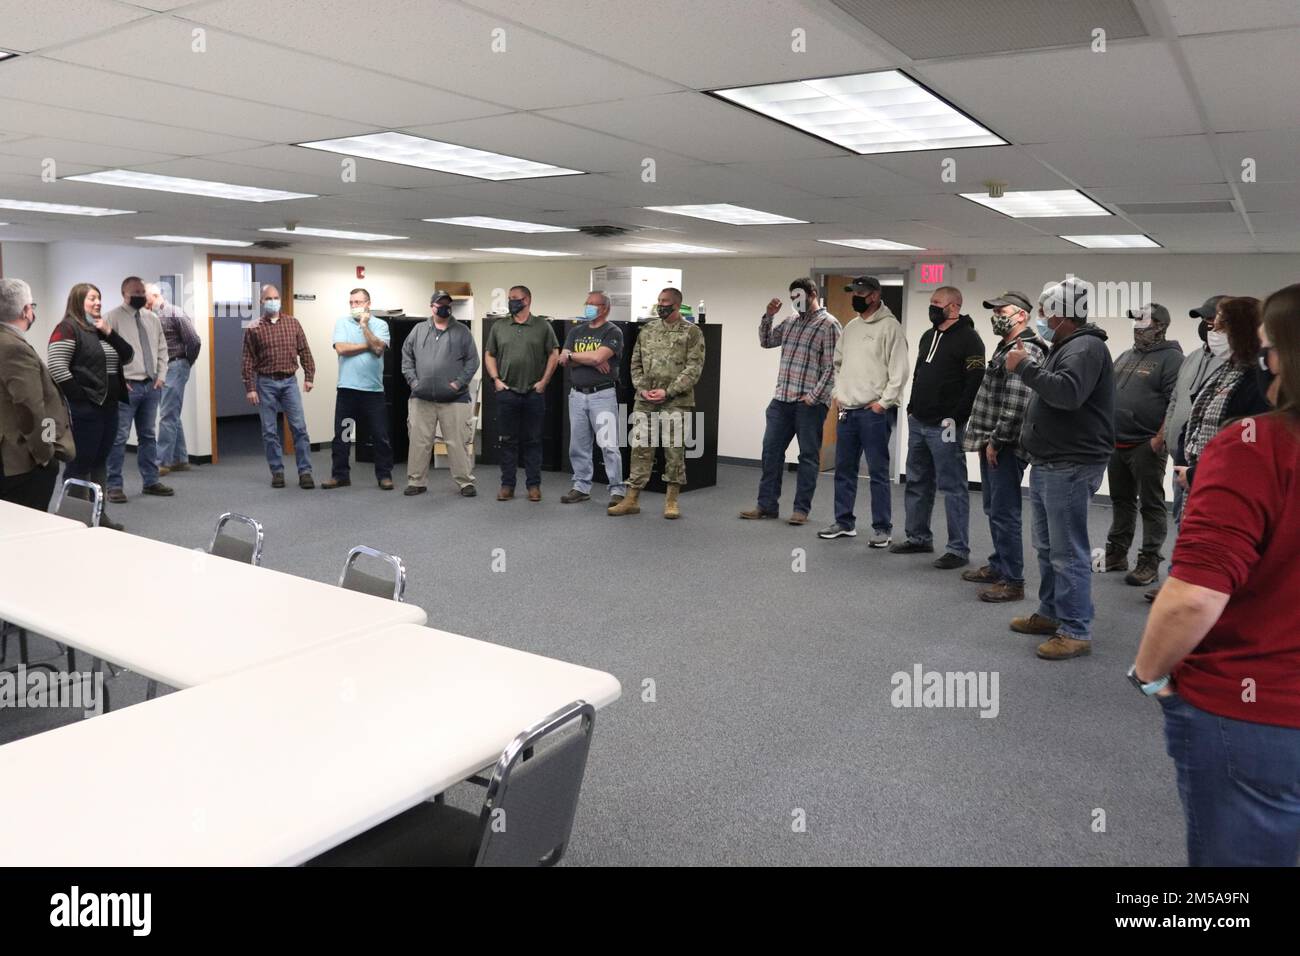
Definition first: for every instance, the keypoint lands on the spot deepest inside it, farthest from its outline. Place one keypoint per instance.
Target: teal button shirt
(365, 370)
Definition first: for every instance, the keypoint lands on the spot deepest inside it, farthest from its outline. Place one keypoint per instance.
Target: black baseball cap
(1010, 297)
(1207, 311)
(863, 284)
(440, 294)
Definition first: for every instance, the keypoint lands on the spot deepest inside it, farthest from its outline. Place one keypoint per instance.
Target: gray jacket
(1071, 413)
(1144, 383)
(1196, 370)
(432, 360)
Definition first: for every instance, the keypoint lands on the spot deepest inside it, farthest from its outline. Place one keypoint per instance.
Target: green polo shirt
(521, 350)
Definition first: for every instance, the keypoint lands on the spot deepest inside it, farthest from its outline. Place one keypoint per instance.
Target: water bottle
(699, 314)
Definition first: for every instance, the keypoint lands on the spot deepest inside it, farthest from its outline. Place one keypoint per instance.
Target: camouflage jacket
(670, 357)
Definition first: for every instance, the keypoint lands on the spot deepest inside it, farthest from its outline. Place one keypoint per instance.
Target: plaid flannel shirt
(807, 346)
(1209, 412)
(1003, 398)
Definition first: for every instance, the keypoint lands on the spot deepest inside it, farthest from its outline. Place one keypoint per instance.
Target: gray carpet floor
(770, 738)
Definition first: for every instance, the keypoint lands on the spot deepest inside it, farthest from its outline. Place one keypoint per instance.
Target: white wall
(26, 261)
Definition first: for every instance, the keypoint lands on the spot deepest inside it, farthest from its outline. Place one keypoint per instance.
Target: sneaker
(116, 495)
(1146, 573)
(277, 479)
(947, 561)
(1061, 647)
(331, 483)
(468, 492)
(159, 489)
(506, 493)
(574, 496)
(837, 530)
(756, 514)
(386, 484)
(1151, 593)
(799, 517)
(1002, 592)
(879, 539)
(911, 547)
(413, 490)
(305, 480)
(535, 493)
(1034, 624)
(1115, 561)
(985, 575)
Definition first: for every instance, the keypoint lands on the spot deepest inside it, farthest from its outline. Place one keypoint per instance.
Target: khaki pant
(454, 420)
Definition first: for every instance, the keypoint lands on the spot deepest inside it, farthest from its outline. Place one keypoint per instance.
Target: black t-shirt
(583, 338)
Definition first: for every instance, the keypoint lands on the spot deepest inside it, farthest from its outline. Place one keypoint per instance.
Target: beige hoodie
(871, 361)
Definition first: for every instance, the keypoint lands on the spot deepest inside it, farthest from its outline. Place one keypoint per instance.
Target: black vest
(90, 367)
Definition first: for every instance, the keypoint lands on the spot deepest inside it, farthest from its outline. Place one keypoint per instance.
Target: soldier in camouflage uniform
(666, 363)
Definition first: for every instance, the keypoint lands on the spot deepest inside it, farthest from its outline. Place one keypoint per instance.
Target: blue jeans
(1002, 505)
(936, 459)
(171, 434)
(595, 416)
(282, 395)
(519, 427)
(862, 430)
(143, 411)
(785, 421)
(1059, 493)
(1239, 783)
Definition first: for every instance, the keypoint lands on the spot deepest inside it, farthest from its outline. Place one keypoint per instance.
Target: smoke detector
(996, 188)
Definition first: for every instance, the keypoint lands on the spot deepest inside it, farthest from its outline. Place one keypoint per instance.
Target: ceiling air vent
(604, 230)
(1177, 208)
(272, 244)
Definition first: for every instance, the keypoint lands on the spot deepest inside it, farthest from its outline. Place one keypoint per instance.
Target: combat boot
(670, 502)
(628, 506)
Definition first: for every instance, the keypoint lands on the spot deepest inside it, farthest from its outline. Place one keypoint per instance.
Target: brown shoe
(1034, 624)
(329, 483)
(754, 514)
(798, 517)
(985, 575)
(277, 479)
(116, 495)
(1061, 647)
(535, 493)
(506, 493)
(1146, 573)
(163, 470)
(1002, 592)
(1115, 561)
(178, 466)
(305, 480)
(573, 496)
(386, 484)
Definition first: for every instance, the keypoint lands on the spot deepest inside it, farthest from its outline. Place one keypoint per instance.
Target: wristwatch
(1151, 689)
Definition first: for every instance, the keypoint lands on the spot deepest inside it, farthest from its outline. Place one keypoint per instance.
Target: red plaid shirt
(275, 348)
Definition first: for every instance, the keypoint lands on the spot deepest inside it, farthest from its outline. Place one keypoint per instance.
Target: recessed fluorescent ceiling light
(62, 209)
(876, 245)
(1039, 203)
(505, 225)
(884, 112)
(671, 248)
(333, 233)
(726, 212)
(4, 55)
(526, 252)
(444, 157)
(196, 240)
(415, 256)
(1114, 242)
(192, 187)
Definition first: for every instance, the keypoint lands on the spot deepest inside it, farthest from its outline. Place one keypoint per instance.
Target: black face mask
(137, 302)
(443, 311)
(937, 315)
(1203, 330)
(515, 306)
(861, 303)
(1264, 376)
(666, 310)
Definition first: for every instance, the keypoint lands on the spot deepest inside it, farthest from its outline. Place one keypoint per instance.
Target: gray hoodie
(432, 359)
(1071, 414)
(1144, 384)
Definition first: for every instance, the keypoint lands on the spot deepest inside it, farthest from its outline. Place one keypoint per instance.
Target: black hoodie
(949, 369)
(1071, 415)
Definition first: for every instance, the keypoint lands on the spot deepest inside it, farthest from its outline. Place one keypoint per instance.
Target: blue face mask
(1045, 330)
(590, 312)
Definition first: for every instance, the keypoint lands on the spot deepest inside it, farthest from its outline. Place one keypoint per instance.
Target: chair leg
(72, 659)
(151, 690)
(22, 644)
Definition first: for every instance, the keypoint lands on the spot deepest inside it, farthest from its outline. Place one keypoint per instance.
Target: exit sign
(930, 273)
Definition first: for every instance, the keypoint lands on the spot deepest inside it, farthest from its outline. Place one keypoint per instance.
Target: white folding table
(278, 763)
(179, 616)
(17, 521)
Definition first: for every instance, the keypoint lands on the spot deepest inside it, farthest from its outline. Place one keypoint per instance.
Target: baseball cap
(1156, 312)
(1011, 297)
(863, 284)
(1208, 309)
(1068, 299)
(439, 294)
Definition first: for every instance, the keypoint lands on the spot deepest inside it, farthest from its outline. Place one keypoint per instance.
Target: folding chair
(391, 586)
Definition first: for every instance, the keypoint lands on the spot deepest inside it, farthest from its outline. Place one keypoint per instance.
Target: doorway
(234, 284)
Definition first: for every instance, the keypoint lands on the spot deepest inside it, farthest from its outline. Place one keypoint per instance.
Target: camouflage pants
(663, 427)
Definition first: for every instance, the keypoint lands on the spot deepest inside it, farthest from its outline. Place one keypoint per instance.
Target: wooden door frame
(286, 295)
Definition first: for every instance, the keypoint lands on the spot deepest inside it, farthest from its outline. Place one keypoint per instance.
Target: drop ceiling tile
(1241, 77)
(23, 31)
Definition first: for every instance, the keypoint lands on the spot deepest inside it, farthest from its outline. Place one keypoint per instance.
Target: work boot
(1062, 647)
(985, 575)
(670, 502)
(1115, 561)
(628, 506)
(1034, 624)
(1003, 592)
(1146, 573)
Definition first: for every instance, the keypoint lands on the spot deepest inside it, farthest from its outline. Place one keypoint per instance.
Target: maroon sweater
(1241, 537)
